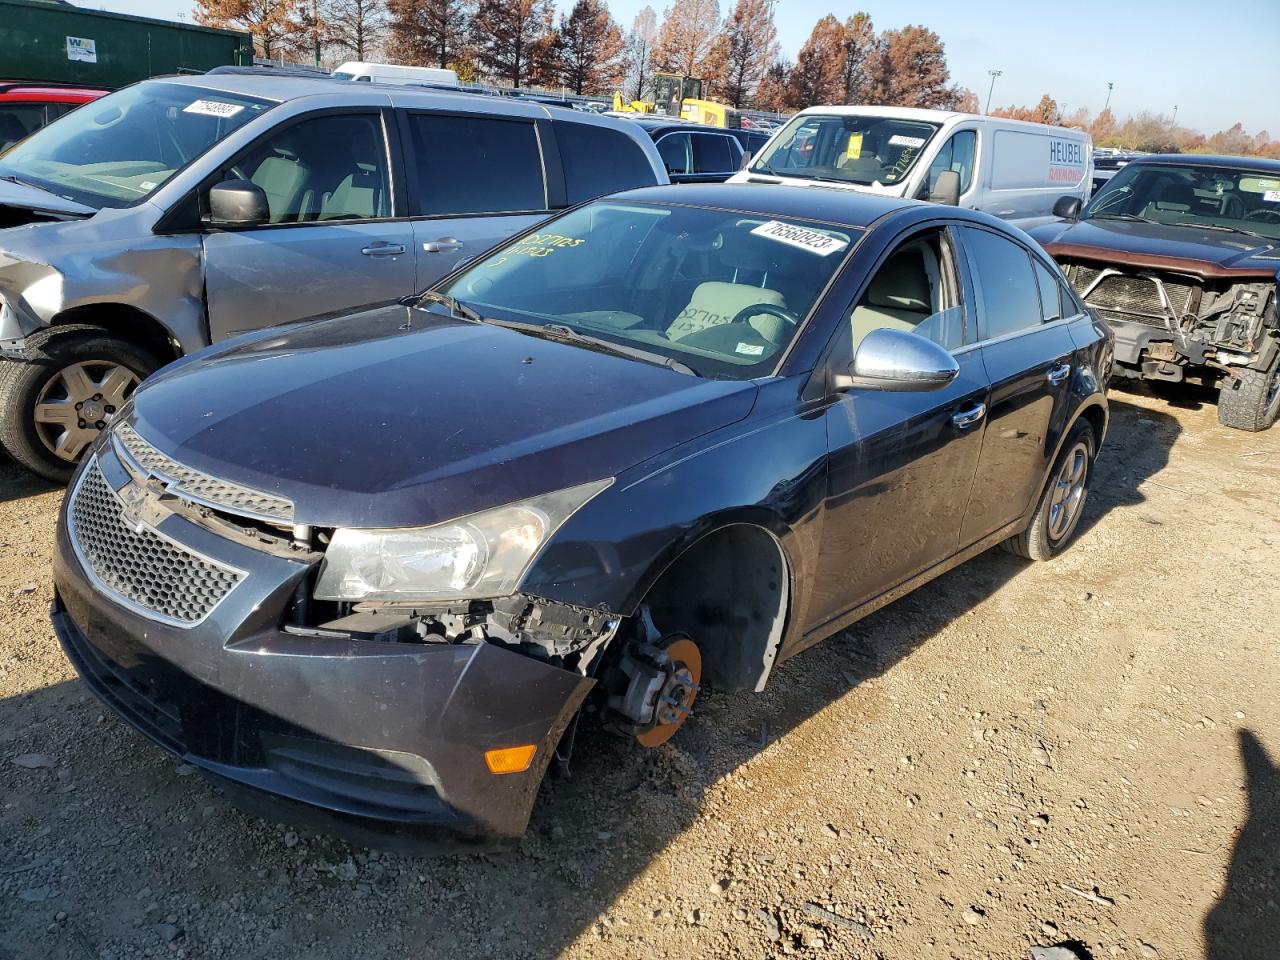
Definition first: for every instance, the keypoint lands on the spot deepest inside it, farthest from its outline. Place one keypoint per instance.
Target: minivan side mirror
(947, 189)
(889, 359)
(1067, 208)
(238, 203)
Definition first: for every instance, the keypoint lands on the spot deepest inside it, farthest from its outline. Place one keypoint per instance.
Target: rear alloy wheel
(1251, 399)
(53, 406)
(1062, 502)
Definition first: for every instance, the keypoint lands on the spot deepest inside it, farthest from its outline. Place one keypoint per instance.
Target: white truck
(396, 74)
(1008, 168)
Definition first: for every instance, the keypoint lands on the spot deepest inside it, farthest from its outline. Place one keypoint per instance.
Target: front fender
(768, 470)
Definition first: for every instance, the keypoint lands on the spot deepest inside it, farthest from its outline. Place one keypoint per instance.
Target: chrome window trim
(1020, 332)
(119, 598)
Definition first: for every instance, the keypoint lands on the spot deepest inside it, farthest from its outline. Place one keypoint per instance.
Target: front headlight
(482, 555)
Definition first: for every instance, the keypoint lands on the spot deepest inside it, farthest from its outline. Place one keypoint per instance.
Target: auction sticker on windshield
(214, 108)
(811, 240)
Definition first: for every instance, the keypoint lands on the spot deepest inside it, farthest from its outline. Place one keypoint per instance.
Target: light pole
(1108, 103)
(1175, 116)
(991, 89)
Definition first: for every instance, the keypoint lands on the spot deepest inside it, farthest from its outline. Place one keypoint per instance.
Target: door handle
(964, 419)
(1058, 374)
(443, 245)
(383, 249)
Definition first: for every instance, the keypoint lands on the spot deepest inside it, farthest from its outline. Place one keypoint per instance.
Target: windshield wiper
(1121, 216)
(564, 333)
(452, 304)
(1223, 226)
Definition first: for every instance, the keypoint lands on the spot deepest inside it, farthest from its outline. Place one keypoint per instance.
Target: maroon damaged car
(1180, 255)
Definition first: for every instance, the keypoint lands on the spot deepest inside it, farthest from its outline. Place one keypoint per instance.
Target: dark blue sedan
(378, 563)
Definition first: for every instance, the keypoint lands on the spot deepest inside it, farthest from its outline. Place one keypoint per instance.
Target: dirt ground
(1082, 752)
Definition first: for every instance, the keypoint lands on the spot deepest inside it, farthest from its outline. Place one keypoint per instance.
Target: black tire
(72, 349)
(1049, 533)
(1251, 399)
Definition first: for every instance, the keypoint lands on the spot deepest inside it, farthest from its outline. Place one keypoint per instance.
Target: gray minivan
(180, 211)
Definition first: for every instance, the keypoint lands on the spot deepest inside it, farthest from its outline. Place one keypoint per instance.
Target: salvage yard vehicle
(694, 153)
(377, 563)
(1010, 169)
(178, 212)
(26, 107)
(1178, 254)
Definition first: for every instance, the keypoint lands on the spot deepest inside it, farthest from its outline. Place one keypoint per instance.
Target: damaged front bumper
(392, 732)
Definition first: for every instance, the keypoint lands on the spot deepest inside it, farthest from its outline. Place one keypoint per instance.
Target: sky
(1216, 64)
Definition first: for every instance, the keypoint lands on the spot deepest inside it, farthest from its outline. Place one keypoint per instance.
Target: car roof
(1208, 160)
(848, 208)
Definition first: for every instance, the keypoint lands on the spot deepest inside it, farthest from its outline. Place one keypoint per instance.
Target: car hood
(1199, 252)
(18, 201)
(398, 417)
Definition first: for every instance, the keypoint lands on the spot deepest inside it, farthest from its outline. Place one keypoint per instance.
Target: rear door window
(470, 164)
(676, 153)
(1002, 272)
(713, 153)
(598, 161)
(1051, 306)
(18, 120)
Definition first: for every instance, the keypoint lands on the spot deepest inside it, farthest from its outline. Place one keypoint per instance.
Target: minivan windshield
(846, 149)
(1199, 195)
(121, 149)
(716, 292)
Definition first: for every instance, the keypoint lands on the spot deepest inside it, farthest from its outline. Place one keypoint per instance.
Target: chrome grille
(149, 572)
(199, 486)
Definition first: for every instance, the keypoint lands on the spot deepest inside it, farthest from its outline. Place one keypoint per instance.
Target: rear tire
(1251, 399)
(51, 405)
(1058, 514)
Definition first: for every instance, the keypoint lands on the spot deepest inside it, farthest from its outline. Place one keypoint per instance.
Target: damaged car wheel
(1251, 400)
(1062, 502)
(53, 406)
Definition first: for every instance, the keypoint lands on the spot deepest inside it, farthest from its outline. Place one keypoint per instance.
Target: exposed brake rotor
(663, 678)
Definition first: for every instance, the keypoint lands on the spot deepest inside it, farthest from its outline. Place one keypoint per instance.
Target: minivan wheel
(1063, 500)
(1251, 399)
(54, 405)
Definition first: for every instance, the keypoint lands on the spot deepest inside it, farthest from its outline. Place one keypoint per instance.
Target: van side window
(956, 154)
(599, 161)
(325, 168)
(714, 153)
(470, 164)
(677, 156)
(915, 290)
(1002, 272)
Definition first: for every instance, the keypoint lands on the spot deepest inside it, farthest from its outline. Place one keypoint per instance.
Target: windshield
(1201, 196)
(722, 293)
(846, 149)
(120, 149)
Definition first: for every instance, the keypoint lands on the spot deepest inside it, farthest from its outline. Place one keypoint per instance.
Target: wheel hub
(662, 683)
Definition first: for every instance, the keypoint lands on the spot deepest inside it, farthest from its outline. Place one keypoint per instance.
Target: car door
(901, 464)
(332, 241)
(1027, 349)
(474, 180)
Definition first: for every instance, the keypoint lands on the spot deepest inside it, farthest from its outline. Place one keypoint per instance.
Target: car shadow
(591, 837)
(1245, 922)
(17, 482)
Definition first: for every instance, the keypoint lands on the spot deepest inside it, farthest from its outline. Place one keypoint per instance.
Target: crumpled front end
(183, 603)
(1166, 322)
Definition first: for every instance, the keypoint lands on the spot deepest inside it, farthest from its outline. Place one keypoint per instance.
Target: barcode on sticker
(898, 140)
(1272, 196)
(811, 240)
(214, 108)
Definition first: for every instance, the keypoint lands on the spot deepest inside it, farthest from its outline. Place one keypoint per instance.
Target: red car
(26, 107)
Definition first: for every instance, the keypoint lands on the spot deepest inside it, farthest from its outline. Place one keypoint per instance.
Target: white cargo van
(390, 73)
(1008, 168)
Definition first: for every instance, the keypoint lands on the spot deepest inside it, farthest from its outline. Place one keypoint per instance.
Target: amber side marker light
(510, 759)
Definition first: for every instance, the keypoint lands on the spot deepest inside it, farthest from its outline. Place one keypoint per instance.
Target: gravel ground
(1082, 753)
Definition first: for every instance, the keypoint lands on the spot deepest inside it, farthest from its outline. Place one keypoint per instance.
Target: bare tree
(590, 48)
(771, 94)
(641, 42)
(914, 70)
(271, 23)
(429, 33)
(687, 40)
(515, 40)
(861, 65)
(818, 75)
(355, 25)
(749, 46)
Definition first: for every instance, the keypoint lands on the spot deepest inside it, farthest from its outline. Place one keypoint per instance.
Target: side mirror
(747, 157)
(238, 203)
(888, 359)
(1067, 208)
(947, 189)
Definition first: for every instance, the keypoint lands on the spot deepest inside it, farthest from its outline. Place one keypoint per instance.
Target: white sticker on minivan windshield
(214, 108)
(1272, 196)
(898, 140)
(750, 349)
(811, 240)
